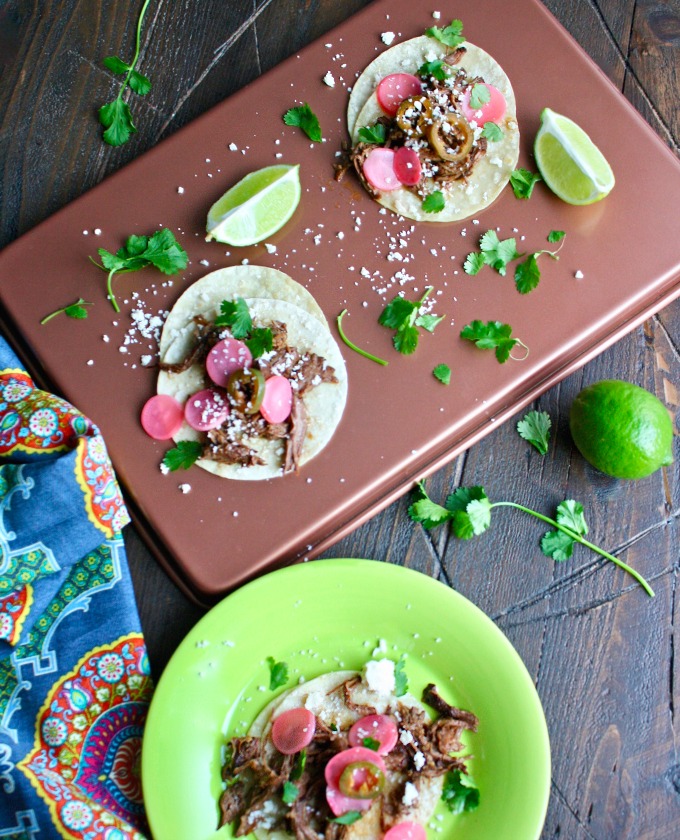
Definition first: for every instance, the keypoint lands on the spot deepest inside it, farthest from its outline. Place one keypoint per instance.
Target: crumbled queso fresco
(379, 676)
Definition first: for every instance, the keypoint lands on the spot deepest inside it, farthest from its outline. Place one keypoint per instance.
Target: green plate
(331, 614)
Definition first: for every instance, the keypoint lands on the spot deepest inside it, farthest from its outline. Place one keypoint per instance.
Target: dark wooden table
(602, 654)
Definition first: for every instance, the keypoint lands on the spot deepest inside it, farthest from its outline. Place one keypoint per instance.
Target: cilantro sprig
(404, 317)
(437, 69)
(493, 335)
(161, 250)
(353, 346)
(534, 427)
(451, 35)
(235, 315)
(302, 116)
(527, 273)
(434, 202)
(468, 511)
(73, 310)
(442, 372)
(494, 252)
(116, 116)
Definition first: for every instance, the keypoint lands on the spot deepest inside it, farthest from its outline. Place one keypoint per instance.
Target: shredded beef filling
(255, 773)
(229, 443)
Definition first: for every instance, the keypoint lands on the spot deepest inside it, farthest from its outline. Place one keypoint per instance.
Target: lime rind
(587, 177)
(256, 207)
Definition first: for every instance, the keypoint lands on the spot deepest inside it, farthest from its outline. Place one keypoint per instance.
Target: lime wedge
(256, 207)
(570, 163)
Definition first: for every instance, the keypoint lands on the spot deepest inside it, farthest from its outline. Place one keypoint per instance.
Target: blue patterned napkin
(74, 675)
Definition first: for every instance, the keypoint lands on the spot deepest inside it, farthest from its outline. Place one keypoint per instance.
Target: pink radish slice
(206, 410)
(380, 728)
(293, 730)
(226, 356)
(393, 89)
(379, 171)
(491, 111)
(338, 802)
(277, 400)
(405, 831)
(407, 166)
(162, 417)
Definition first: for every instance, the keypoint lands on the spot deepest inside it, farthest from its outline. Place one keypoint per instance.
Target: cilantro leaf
(470, 511)
(259, 342)
(570, 514)
(183, 456)
(534, 427)
(474, 263)
(299, 765)
(405, 340)
(348, 818)
(278, 673)
(557, 545)
(442, 372)
(370, 744)
(402, 315)
(434, 202)
(115, 116)
(492, 132)
(498, 252)
(523, 181)
(375, 133)
(235, 315)
(161, 250)
(73, 310)
(451, 35)
(479, 96)
(428, 321)
(438, 69)
(460, 792)
(527, 275)
(303, 117)
(289, 793)
(424, 510)
(400, 677)
(556, 235)
(491, 336)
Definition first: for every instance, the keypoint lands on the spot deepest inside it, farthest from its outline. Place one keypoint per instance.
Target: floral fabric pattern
(75, 682)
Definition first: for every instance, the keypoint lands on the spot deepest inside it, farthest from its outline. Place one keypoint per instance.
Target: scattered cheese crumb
(578, 275)
(180, 190)
(271, 249)
(97, 231)
(329, 79)
(233, 147)
(387, 38)
(185, 488)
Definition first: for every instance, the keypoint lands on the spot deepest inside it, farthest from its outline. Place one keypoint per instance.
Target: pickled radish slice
(293, 730)
(162, 417)
(338, 803)
(393, 89)
(206, 409)
(407, 166)
(224, 358)
(491, 111)
(380, 728)
(405, 831)
(278, 399)
(379, 171)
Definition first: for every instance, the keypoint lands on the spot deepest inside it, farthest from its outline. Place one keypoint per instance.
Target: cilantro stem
(578, 538)
(353, 346)
(138, 41)
(65, 309)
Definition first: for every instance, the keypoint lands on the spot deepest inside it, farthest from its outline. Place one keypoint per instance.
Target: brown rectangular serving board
(399, 423)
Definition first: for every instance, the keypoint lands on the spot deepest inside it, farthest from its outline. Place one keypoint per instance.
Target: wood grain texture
(602, 654)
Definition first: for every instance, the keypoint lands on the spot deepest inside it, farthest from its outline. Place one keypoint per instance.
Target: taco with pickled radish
(247, 354)
(434, 134)
(344, 758)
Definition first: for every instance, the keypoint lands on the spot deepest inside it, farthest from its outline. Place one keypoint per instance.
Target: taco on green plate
(344, 758)
(434, 134)
(247, 352)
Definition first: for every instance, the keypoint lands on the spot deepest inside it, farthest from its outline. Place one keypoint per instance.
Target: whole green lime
(622, 429)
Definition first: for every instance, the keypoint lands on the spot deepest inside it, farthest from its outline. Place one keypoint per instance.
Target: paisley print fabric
(75, 682)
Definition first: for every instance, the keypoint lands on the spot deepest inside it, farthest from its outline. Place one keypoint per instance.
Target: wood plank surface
(602, 654)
